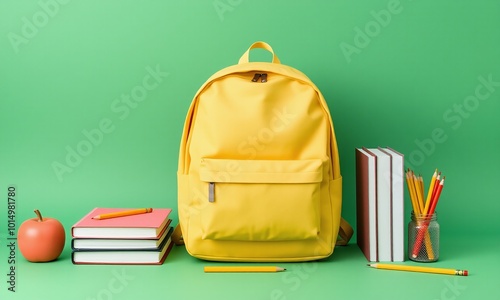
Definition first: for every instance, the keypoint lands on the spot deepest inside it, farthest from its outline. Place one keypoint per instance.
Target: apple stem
(39, 215)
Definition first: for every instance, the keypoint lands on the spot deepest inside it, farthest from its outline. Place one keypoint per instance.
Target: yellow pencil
(429, 193)
(243, 269)
(123, 213)
(411, 190)
(420, 269)
(418, 192)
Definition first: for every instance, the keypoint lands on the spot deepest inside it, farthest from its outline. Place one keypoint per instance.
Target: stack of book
(380, 203)
(133, 239)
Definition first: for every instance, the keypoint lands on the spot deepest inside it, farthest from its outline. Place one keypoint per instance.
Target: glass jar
(423, 238)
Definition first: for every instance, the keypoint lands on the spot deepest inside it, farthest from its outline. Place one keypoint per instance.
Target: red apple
(41, 239)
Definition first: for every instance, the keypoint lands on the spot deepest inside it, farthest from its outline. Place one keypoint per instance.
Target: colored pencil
(411, 191)
(420, 269)
(418, 191)
(435, 188)
(414, 192)
(435, 199)
(429, 192)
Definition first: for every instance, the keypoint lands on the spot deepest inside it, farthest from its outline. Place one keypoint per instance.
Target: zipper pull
(211, 192)
(263, 78)
(256, 77)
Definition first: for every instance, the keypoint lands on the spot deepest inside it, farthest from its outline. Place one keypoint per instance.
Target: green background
(412, 75)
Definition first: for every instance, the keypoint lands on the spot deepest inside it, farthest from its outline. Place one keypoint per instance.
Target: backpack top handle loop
(263, 45)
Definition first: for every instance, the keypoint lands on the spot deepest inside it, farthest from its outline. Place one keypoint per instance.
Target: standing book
(397, 193)
(380, 203)
(384, 204)
(366, 204)
(140, 226)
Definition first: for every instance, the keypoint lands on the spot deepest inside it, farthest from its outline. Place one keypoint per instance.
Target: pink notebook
(141, 226)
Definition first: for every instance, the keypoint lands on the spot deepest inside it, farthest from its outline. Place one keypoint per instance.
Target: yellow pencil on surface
(123, 213)
(243, 269)
(420, 269)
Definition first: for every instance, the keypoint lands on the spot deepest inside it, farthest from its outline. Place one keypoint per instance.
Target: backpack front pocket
(261, 200)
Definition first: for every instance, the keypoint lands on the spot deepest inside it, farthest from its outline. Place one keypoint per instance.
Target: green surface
(112, 81)
(342, 276)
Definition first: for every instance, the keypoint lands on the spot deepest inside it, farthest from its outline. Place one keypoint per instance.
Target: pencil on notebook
(122, 213)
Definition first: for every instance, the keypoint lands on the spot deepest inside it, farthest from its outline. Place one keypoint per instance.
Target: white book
(398, 226)
(384, 204)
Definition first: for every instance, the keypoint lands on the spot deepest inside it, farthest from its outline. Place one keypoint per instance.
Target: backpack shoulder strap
(177, 236)
(345, 233)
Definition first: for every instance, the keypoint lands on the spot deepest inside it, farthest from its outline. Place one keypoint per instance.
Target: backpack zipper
(256, 77)
(261, 76)
(211, 192)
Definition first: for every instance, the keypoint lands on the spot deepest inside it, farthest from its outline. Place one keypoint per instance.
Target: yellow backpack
(259, 177)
